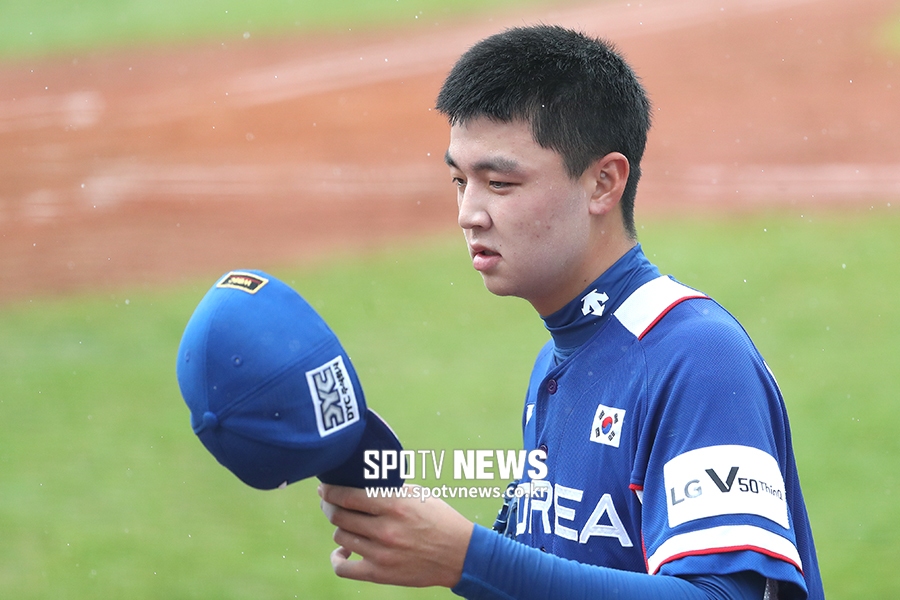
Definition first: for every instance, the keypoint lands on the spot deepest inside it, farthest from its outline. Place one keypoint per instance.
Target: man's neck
(588, 312)
(607, 250)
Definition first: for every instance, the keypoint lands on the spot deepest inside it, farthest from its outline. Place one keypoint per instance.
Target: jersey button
(552, 386)
(543, 448)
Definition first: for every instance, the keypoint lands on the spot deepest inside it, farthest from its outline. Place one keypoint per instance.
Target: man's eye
(459, 182)
(498, 185)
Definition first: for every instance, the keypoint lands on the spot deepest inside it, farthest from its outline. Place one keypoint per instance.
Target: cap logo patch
(246, 282)
(333, 395)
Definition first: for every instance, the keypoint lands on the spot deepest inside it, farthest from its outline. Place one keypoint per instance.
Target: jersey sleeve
(714, 466)
(499, 568)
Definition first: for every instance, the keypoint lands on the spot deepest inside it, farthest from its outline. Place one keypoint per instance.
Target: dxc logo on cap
(333, 395)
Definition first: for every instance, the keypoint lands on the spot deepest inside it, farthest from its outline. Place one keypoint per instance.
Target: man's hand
(402, 541)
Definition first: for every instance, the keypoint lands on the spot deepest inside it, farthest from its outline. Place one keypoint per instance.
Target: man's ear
(607, 177)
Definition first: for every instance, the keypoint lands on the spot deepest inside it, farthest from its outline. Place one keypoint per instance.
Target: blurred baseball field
(106, 493)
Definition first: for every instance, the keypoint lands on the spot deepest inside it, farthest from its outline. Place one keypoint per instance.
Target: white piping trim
(650, 302)
(727, 538)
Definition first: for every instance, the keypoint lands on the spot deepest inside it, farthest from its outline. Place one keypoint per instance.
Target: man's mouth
(482, 250)
(484, 259)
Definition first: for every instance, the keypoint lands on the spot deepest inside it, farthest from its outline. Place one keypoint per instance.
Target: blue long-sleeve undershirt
(499, 568)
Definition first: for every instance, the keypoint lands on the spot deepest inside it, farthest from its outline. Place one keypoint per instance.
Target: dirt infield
(155, 166)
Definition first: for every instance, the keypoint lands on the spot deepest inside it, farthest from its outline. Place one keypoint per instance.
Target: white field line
(767, 184)
(120, 183)
(437, 51)
(123, 183)
(77, 110)
(413, 55)
(845, 180)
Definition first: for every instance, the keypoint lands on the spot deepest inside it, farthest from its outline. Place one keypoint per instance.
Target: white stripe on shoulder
(726, 538)
(650, 303)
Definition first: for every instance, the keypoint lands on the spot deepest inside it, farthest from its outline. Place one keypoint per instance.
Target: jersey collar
(575, 323)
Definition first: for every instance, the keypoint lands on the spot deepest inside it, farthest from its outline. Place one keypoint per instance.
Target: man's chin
(497, 286)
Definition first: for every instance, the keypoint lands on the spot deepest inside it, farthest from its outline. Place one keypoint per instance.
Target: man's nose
(473, 208)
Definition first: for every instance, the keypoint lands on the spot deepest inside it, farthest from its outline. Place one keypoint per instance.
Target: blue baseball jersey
(668, 449)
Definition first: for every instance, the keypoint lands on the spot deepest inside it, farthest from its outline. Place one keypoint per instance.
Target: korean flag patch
(607, 426)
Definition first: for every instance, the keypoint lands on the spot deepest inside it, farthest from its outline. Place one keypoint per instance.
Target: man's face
(526, 222)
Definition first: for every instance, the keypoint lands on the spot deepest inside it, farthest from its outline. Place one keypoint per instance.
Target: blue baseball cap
(272, 394)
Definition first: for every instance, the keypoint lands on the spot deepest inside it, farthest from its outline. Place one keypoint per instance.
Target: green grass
(889, 34)
(105, 492)
(29, 27)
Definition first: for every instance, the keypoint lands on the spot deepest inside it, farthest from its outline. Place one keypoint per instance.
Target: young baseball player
(670, 471)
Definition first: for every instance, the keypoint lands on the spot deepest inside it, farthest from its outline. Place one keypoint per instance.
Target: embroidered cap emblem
(246, 282)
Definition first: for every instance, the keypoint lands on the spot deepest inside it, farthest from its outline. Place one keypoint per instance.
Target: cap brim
(377, 437)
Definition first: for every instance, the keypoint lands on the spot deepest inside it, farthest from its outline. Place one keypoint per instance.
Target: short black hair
(577, 92)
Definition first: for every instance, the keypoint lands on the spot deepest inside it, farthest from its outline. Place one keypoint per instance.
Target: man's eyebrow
(497, 165)
(449, 160)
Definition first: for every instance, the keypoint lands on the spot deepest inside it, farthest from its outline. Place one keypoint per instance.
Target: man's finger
(339, 557)
(353, 543)
(351, 498)
(359, 570)
(354, 522)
